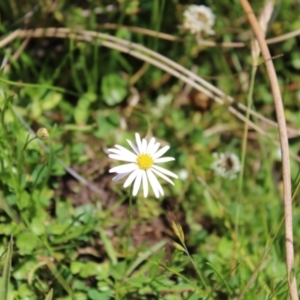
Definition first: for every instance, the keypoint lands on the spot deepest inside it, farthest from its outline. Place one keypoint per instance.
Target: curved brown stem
(283, 137)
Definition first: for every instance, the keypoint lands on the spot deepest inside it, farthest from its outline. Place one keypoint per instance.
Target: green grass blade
(49, 295)
(109, 247)
(61, 280)
(222, 280)
(144, 256)
(6, 272)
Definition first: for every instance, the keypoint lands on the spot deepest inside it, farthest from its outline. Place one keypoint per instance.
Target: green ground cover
(92, 77)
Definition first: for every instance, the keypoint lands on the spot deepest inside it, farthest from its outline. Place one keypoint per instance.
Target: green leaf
(139, 282)
(26, 242)
(108, 247)
(25, 200)
(51, 100)
(94, 294)
(104, 295)
(82, 111)
(114, 89)
(37, 226)
(107, 124)
(76, 267)
(85, 269)
(22, 271)
(296, 60)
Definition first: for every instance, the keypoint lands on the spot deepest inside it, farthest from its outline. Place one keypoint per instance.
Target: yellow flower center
(144, 161)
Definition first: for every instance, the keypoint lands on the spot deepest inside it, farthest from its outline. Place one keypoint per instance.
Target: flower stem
(129, 221)
(20, 158)
(129, 224)
(195, 267)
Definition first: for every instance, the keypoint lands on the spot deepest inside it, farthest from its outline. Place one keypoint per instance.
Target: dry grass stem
(169, 37)
(158, 60)
(289, 245)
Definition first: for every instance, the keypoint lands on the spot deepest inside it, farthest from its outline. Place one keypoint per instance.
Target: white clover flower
(226, 165)
(141, 167)
(183, 174)
(198, 19)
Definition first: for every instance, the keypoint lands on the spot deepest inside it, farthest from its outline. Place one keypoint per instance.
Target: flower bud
(42, 134)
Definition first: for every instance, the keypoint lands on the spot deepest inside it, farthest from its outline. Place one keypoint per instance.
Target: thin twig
(169, 37)
(158, 60)
(284, 148)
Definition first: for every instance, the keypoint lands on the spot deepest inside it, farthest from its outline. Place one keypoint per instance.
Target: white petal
(144, 145)
(122, 158)
(154, 149)
(122, 151)
(119, 151)
(113, 150)
(152, 183)
(137, 183)
(156, 187)
(145, 184)
(150, 145)
(130, 178)
(162, 176)
(133, 146)
(165, 171)
(164, 159)
(161, 152)
(139, 142)
(119, 176)
(127, 168)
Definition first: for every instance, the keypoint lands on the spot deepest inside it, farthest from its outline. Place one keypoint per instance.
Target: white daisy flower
(198, 19)
(141, 167)
(226, 165)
